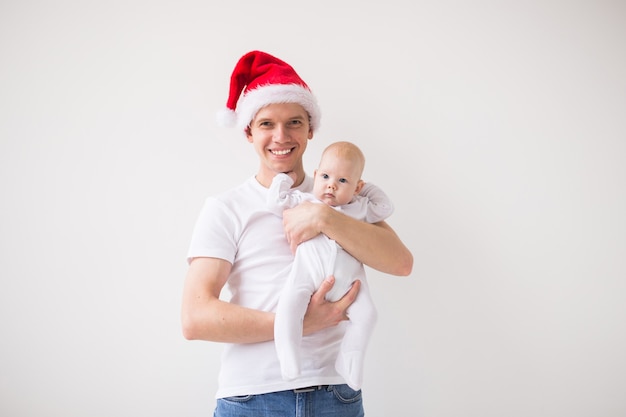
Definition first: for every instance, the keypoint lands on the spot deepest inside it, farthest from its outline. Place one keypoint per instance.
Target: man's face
(280, 133)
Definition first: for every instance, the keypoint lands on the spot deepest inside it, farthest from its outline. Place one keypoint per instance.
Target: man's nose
(280, 133)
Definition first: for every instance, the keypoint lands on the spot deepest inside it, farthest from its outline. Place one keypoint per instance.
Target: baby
(338, 183)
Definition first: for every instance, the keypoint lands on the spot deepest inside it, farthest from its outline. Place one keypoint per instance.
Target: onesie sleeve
(379, 206)
(280, 196)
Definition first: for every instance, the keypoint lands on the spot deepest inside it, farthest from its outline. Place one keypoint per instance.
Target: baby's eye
(325, 176)
(343, 180)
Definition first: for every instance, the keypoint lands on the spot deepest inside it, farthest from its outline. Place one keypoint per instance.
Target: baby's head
(338, 176)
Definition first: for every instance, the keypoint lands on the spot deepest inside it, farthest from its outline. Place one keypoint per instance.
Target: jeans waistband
(311, 389)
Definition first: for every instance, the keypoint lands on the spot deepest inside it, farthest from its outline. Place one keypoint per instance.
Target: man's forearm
(376, 245)
(220, 321)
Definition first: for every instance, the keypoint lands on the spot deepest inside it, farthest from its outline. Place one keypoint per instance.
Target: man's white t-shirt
(238, 227)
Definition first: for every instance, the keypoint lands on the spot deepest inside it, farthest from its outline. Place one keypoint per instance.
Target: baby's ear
(359, 187)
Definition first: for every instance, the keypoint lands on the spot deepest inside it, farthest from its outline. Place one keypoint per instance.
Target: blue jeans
(323, 401)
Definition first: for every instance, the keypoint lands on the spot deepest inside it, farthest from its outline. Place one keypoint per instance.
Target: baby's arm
(379, 206)
(280, 196)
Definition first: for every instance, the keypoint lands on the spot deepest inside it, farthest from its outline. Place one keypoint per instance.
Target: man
(238, 242)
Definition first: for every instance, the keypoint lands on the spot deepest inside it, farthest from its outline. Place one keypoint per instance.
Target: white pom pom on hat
(226, 118)
(260, 79)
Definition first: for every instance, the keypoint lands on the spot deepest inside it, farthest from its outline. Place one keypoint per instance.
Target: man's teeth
(285, 152)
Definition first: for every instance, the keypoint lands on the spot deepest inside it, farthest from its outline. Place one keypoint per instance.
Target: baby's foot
(350, 366)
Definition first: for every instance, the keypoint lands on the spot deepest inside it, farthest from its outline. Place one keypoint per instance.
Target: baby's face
(337, 180)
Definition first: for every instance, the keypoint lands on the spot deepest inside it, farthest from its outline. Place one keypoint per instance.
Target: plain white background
(498, 128)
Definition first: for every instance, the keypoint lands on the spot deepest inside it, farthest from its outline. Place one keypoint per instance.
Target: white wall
(499, 130)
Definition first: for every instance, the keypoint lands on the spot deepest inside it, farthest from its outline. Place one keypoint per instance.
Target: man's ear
(359, 187)
(248, 133)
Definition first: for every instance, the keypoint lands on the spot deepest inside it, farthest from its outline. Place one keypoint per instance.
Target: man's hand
(322, 313)
(302, 222)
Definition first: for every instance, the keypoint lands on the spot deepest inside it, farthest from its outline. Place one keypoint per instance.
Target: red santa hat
(264, 79)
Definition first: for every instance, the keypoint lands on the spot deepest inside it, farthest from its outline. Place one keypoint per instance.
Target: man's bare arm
(205, 317)
(376, 245)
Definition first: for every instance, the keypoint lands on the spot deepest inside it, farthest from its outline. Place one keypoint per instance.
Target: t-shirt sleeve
(214, 234)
